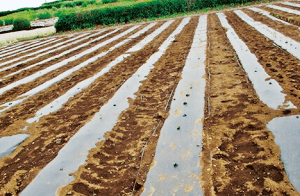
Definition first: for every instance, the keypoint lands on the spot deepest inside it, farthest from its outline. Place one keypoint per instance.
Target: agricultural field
(198, 105)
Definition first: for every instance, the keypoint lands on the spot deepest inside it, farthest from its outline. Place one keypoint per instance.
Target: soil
(239, 155)
(30, 85)
(290, 18)
(287, 6)
(44, 57)
(118, 165)
(74, 115)
(287, 30)
(32, 49)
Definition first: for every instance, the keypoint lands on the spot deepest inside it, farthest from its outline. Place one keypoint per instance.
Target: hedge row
(108, 1)
(5, 13)
(119, 14)
(21, 24)
(50, 6)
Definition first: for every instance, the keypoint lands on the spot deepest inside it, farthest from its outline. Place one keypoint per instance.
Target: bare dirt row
(290, 18)
(67, 121)
(244, 158)
(239, 155)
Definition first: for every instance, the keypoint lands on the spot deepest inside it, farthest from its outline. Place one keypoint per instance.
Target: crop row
(197, 105)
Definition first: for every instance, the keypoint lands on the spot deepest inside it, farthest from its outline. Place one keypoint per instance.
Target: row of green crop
(28, 15)
(59, 4)
(40, 14)
(120, 14)
(57, 12)
(56, 4)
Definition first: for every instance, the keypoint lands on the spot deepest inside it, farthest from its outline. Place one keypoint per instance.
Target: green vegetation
(134, 11)
(21, 24)
(108, 1)
(8, 21)
(55, 4)
(1, 23)
(44, 15)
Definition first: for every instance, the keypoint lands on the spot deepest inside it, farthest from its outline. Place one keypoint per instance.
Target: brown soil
(13, 45)
(45, 65)
(30, 85)
(88, 37)
(239, 155)
(30, 106)
(117, 164)
(66, 122)
(21, 53)
(287, 6)
(290, 18)
(287, 30)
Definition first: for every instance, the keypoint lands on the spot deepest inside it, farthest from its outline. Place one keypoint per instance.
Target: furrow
(58, 103)
(23, 44)
(290, 18)
(239, 154)
(108, 119)
(47, 49)
(46, 93)
(13, 45)
(77, 88)
(29, 48)
(89, 102)
(9, 65)
(286, 43)
(266, 88)
(286, 29)
(18, 46)
(63, 63)
(268, 14)
(179, 145)
(287, 73)
(290, 5)
(284, 9)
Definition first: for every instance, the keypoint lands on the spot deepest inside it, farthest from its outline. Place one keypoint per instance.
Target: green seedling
(175, 165)
(187, 95)
(178, 128)
(184, 103)
(184, 115)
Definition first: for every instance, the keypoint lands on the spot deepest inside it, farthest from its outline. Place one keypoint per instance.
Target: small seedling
(297, 116)
(184, 103)
(184, 115)
(187, 95)
(178, 128)
(175, 165)
(114, 104)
